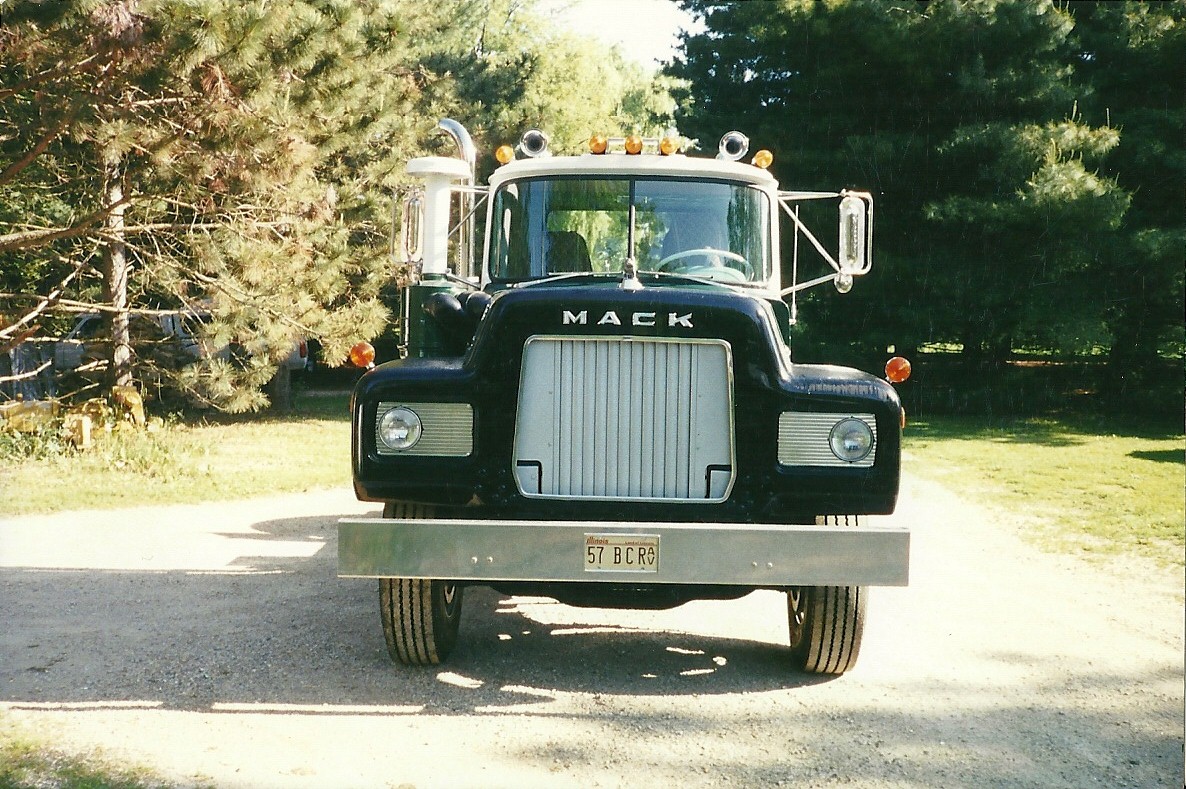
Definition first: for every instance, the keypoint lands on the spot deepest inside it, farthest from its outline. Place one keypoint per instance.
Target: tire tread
(835, 620)
(406, 607)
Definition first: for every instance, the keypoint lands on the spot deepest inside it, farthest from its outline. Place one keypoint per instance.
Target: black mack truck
(608, 412)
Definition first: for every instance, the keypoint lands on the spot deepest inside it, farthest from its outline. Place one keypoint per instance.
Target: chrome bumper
(689, 553)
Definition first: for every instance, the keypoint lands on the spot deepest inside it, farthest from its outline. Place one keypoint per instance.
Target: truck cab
(608, 412)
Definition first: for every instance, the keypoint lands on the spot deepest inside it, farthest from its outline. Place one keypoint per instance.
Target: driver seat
(567, 253)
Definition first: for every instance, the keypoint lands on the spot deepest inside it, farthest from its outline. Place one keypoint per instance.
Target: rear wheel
(420, 616)
(826, 622)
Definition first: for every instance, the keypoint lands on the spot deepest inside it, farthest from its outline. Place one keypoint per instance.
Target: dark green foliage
(1026, 158)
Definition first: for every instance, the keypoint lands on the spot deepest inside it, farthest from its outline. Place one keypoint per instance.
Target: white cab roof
(647, 165)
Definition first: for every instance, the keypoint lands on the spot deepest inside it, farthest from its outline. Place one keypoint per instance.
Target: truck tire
(826, 627)
(420, 615)
(826, 622)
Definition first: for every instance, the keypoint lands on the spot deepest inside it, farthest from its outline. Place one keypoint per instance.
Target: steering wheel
(745, 268)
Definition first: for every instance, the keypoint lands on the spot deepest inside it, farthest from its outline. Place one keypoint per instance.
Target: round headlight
(851, 440)
(399, 428)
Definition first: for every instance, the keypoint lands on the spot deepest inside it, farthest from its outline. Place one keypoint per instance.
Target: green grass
(1089, 486)
(204, 459)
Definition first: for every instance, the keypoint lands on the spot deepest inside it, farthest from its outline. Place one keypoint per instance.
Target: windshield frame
(758, 242)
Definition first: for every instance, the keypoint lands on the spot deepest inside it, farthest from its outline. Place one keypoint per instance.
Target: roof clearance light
(633, 144)
(763, 159)
(897, 369)
(362, 354)
(669, 145)
(598, 144)
(504, 154)
(733, 146)
(534, 143)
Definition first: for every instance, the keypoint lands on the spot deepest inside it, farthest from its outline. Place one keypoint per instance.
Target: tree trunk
(115, 282)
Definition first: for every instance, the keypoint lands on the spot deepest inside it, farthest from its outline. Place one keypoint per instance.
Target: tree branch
(36, 238)
(38, 149)
(26, 376)
(46, 302)
(46, 76)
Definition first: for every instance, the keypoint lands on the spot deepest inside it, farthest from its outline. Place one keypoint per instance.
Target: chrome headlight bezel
(851, 440)
(400, 428)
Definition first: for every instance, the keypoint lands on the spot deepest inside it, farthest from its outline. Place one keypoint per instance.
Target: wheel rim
(797, 614)
(449, 596)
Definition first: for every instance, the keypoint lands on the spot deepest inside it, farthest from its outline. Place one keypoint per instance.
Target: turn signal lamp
(763, 159)
(504, 154)
(633, 144)
(598, 144)
(362, 355)
(897, 369)
(668, 146)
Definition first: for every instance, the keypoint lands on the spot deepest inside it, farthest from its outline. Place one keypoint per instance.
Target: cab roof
(647, 165)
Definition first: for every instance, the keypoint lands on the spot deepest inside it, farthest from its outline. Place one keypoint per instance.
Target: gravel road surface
(215, 645)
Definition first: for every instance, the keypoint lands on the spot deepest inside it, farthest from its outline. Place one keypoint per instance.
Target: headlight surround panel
(829, 440)
(424, 429)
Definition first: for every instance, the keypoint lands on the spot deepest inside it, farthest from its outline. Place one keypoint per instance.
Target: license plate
(622, 553)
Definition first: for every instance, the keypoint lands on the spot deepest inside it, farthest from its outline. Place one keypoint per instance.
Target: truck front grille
(625, 418)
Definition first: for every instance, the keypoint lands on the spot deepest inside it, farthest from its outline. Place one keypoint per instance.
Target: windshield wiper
(694, 278)
(557, 277)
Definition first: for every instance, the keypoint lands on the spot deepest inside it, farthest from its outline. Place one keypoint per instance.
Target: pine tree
(960, 116)
(239, 158)
(1131, 58)
(217, 157)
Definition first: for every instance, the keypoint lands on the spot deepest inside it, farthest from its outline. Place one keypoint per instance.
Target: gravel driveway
(214, 644)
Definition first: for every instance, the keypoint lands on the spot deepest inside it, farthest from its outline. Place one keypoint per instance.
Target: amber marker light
(763, 159)
(668, 146)
(504, 154)
(633, 144)
(598, 143)
(897, 370)
(362, 355)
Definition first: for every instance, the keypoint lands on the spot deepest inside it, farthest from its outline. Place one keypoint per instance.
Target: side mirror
(856, 235)
(854, 253)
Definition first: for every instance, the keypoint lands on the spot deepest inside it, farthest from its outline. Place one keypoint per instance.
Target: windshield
(570, 225)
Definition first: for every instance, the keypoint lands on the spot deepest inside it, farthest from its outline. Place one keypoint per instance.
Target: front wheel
(421, 616)
(826, 623)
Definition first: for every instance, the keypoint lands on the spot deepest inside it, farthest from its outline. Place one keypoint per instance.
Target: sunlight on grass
(206, 460)
(1092, 488)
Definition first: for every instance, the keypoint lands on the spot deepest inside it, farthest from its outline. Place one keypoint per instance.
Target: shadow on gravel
(275, 632)
(276, 628)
